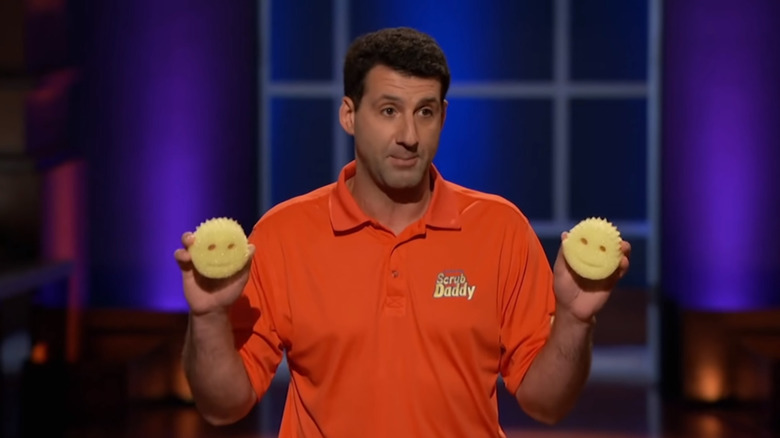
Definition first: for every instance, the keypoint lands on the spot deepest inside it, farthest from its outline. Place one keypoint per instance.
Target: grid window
(300, 47)
(501, 146)
(300, 156)
(608, 154)
(552, 104)
(609, 40)
(499, 40)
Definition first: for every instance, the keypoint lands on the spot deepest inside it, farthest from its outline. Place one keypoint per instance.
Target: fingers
(187, 239)
(625, 248)
(182, 255)
(623, 268)
(183, 259)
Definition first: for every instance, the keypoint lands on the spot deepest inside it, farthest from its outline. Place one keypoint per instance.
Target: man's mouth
(404, 161)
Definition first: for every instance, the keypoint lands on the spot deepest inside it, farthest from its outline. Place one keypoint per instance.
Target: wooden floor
(604, 411)
(615, 404)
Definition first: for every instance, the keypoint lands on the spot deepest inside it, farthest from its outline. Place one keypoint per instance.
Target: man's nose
(407, 135)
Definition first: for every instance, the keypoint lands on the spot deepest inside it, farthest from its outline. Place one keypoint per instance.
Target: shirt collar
(345, 214)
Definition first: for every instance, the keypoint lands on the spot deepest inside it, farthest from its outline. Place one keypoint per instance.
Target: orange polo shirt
(394, 336)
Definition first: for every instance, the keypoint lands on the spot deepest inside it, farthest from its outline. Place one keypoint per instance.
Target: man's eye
(388, 111)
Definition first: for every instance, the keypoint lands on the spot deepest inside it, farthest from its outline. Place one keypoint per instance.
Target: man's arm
(557, 375)
(223, 314)
(215, 371)
(558, 371)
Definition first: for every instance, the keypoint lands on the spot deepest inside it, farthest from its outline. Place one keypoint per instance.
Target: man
(398, 297)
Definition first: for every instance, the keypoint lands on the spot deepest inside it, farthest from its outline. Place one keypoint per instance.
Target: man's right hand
(205, 295)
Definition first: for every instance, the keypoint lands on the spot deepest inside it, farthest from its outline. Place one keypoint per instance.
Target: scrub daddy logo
(453, 284)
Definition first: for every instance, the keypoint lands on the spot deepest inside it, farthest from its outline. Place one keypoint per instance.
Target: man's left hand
(580, 297)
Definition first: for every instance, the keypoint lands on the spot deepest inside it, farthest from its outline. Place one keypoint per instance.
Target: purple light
(172, 139)
(174, 145)
(720, 156)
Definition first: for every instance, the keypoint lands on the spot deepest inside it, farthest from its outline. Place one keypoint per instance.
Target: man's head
(395, 82)
(403, 49)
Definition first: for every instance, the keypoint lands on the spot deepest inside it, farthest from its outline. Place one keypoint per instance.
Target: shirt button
(395, 274)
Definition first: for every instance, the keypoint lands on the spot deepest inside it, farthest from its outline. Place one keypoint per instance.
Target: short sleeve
(256, 314)
(527, 301)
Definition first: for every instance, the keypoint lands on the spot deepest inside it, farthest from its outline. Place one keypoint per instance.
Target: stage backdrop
(552, 105)
(193, 110)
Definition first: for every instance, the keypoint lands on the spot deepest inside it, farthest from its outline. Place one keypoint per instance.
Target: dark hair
(403, 49)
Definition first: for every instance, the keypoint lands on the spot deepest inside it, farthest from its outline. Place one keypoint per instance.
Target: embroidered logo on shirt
(453, 284)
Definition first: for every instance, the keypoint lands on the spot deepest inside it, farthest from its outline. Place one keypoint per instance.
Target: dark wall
(168, 126)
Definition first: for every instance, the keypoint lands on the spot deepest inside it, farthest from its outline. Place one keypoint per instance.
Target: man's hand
(205, 295)
(212, 365)
(579, 297)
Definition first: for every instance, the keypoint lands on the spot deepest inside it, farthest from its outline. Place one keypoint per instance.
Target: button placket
(395, 271)
(396, 290)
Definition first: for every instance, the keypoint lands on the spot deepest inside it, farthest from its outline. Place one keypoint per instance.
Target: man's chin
(411, 184)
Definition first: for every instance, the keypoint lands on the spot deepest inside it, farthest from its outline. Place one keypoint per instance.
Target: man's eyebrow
(429, 100)
(392, 98)
(389, 97)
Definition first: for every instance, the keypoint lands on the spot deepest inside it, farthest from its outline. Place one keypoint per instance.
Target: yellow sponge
(220, 249)
(592, 248)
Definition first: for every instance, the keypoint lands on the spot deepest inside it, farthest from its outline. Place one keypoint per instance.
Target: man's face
(396, 128)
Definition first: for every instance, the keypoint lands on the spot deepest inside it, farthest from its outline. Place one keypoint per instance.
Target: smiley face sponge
(592, 248)
(220, 249)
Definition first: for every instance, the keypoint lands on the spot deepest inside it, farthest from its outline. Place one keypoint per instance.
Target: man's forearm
(216, 374)
(557, 375)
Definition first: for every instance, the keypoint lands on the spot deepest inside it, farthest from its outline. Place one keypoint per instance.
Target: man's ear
(444, 111)
(347, 115)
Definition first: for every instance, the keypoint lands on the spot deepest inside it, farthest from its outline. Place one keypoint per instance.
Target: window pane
(493, 40)
(301, 40)
(501, 147)
(301, 143)
(608, 159)
(609, 39)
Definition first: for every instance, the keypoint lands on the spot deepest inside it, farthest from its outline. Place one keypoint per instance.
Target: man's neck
(395, 211)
